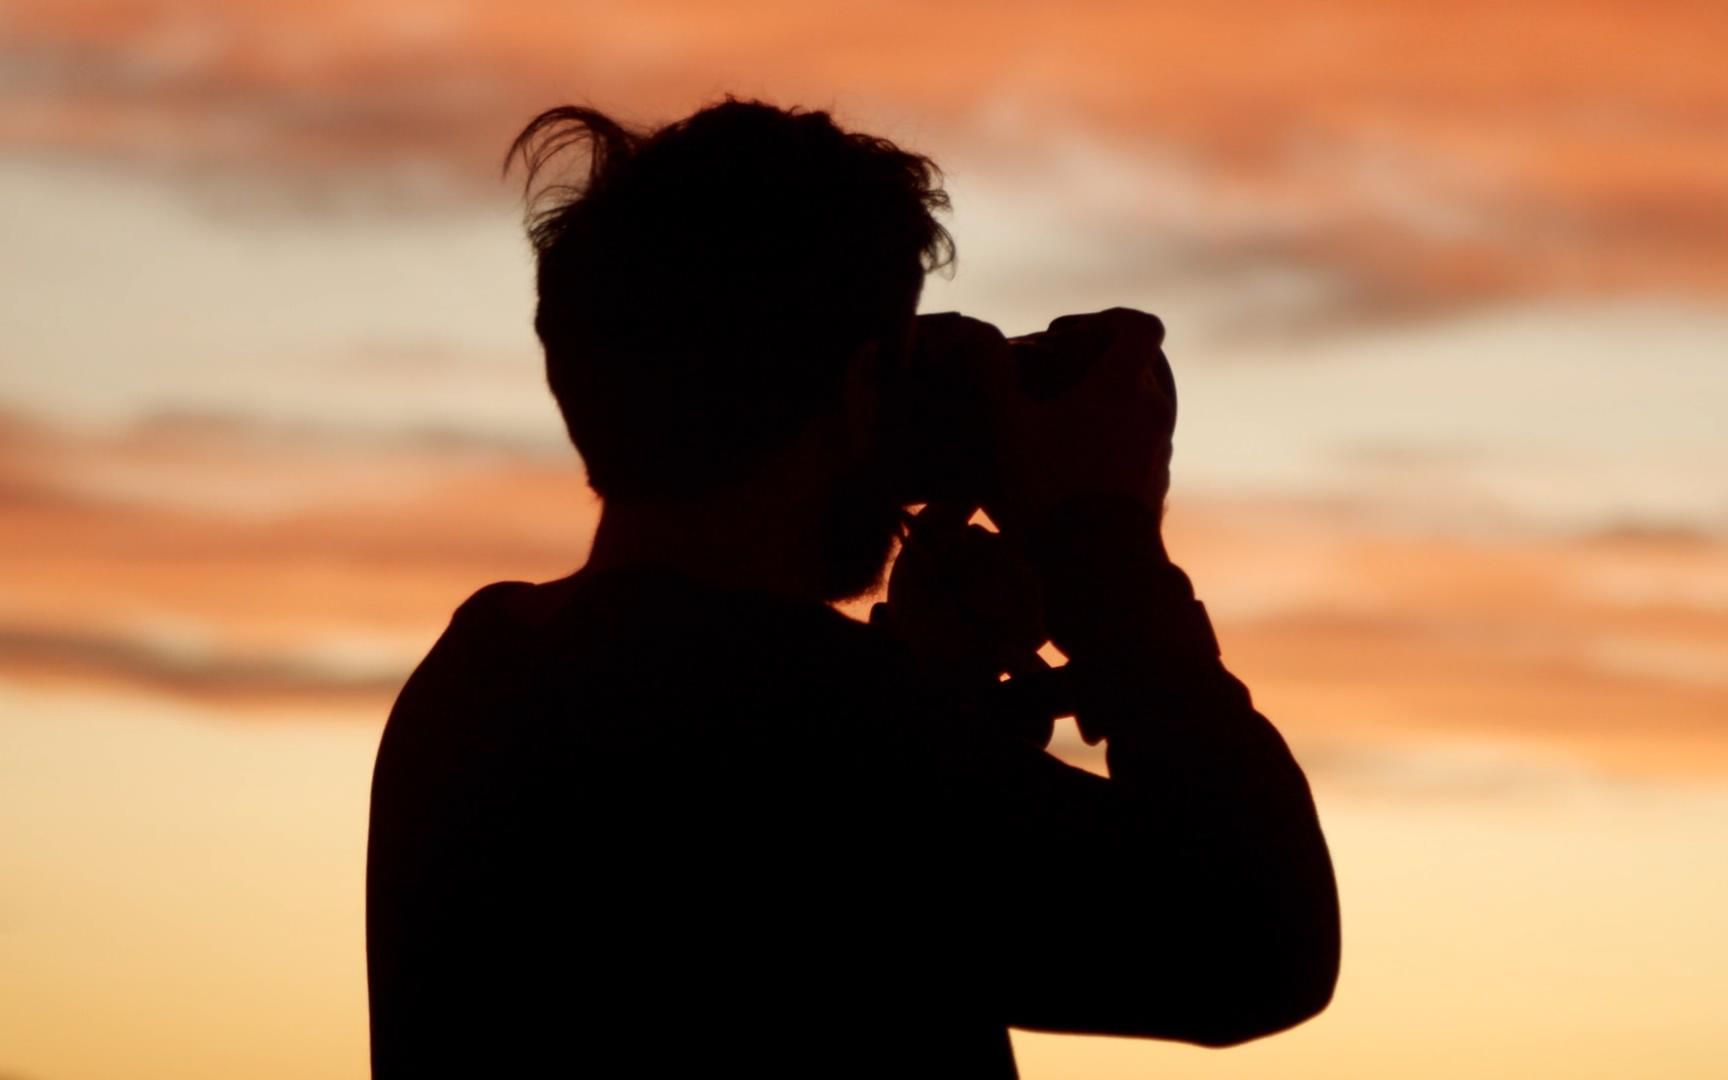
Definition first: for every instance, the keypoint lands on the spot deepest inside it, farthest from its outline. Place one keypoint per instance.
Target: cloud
(1349, 632)
(173, 664)
(1417, 162)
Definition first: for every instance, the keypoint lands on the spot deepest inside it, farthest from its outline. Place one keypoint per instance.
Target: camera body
(937, 433)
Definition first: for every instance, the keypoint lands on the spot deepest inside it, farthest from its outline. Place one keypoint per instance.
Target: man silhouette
(675, 815)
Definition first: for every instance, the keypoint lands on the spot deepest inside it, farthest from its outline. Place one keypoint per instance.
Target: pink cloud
(1349, 635)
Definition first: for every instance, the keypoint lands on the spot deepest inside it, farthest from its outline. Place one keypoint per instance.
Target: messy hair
(700, 291)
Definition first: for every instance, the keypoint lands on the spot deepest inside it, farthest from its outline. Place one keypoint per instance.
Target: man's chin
(863, 526)
(851, 574)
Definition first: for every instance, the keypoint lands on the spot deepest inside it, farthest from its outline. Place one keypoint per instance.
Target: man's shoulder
(651, 656)
(522, 602)
(620, 613)
(646, 595)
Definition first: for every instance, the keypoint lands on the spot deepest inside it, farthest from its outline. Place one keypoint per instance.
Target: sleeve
(1190, 895)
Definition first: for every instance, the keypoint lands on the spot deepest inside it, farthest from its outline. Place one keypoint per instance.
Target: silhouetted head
(700, 293)
(703, 292)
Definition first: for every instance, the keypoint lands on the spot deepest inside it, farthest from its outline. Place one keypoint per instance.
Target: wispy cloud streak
(1432, 158)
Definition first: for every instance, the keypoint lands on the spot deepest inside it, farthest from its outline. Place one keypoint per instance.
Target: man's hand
(1108, 436)
(962, 598)
(1100, 446)
(966, 604)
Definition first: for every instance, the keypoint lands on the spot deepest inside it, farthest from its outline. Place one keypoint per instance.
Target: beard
(861, 526)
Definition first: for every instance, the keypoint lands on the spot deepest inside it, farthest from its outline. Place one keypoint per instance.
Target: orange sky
(1437, 154)
(1446, 291)
(133, 561)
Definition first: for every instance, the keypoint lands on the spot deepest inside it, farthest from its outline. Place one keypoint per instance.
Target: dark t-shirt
(630, 824)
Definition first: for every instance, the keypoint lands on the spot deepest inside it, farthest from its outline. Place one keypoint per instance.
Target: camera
(937, 431)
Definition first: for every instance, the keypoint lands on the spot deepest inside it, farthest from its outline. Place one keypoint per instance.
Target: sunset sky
(1447, 297)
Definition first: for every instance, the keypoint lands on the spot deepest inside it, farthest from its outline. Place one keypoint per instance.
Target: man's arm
(1209, 886)
(1190, 895)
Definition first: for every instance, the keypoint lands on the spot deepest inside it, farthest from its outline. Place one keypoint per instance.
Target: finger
(1135, 346)
(957, 551)
(1025, 663)
(1110, 321)
(1156, 379)
(1089, 735)
(1125, 347)
(935, 534)
(948, 515)
(1088, 335)
(945, 552)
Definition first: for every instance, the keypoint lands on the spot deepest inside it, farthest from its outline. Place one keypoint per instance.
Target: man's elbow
(1275, 990)
(1271, 1006)
(1278, 968)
